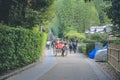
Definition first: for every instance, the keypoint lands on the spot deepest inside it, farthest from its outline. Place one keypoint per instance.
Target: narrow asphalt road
(71, 67)
(75, 67)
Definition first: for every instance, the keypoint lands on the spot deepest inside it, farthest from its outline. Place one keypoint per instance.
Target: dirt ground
(110, 70)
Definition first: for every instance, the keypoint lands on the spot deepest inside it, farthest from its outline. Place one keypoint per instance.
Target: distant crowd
(62, 44)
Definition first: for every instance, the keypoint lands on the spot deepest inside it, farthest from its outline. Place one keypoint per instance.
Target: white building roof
(98, 29)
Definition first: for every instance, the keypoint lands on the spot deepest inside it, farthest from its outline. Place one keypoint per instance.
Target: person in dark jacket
(64, 48)
(74, 44)
(70, 47)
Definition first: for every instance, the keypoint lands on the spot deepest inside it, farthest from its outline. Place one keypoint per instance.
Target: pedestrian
(53, 43)
(70, 47)
(59, 46)
(64, 48)
(74, 44)
(48, 44)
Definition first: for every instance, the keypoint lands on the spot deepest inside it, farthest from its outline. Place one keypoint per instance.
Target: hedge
(82, 48)
(19, 47)
(86, 48)
(89, 47)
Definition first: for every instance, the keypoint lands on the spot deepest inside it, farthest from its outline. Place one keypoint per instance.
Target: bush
(98, 37)
(88, 41)
(89, 47)
(82, 48)
(19, 47)
(86, 48)
(74, 35)
(117, 41)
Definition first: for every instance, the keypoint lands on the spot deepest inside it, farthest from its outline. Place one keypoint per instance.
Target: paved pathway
(71, 67)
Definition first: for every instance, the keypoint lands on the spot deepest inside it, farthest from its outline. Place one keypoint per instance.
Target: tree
(25, 13)
(12, 12)
(87, 0)
(76, 14)
(40, 4)
(114, 13)
(101, 6)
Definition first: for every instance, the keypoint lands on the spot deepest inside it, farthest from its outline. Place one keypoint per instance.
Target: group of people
(73, 46)
(61, 45)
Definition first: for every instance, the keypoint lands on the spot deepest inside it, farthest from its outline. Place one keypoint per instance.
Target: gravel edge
(115, 75)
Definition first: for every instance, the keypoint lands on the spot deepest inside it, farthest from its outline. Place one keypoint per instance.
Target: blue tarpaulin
(92, 54)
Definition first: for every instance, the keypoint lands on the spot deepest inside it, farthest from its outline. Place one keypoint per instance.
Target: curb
(92, 63)
(7, 75)
(104, 72)
(38, 69)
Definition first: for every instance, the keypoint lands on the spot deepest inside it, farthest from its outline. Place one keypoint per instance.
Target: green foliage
(75, 14)
(117, 41)
(74, 35)
(98, 36)
(88, 0)
(32, 17)
(40, 4)
(19, 47)
(36, 28)
(101, 7)
(12, 11)
(55, 26)
(25, 13)
(80, 14)
(82, 48)
(89, 47)
(114, 13)
(88, 40)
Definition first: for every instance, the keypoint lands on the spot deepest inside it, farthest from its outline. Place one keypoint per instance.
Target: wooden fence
(114, 56)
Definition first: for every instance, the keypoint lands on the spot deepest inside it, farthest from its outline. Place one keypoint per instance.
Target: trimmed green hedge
(19, 47)
(86, 48)
(82, 48)
(89, 47)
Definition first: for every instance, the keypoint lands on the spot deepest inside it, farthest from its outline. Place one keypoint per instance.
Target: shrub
(89, 47)
(117, 41)
(98, 37)
(19, 47)
(86, 48)
(88, 41)
(82, 48)
(74, 35)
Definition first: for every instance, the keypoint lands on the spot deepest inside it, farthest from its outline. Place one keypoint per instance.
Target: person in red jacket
(59, 46)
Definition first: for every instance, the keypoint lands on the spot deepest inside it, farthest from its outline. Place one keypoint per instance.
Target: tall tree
(101, 6)
(76, 14)
(24, 12)
(114, 14)
(12, 11)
